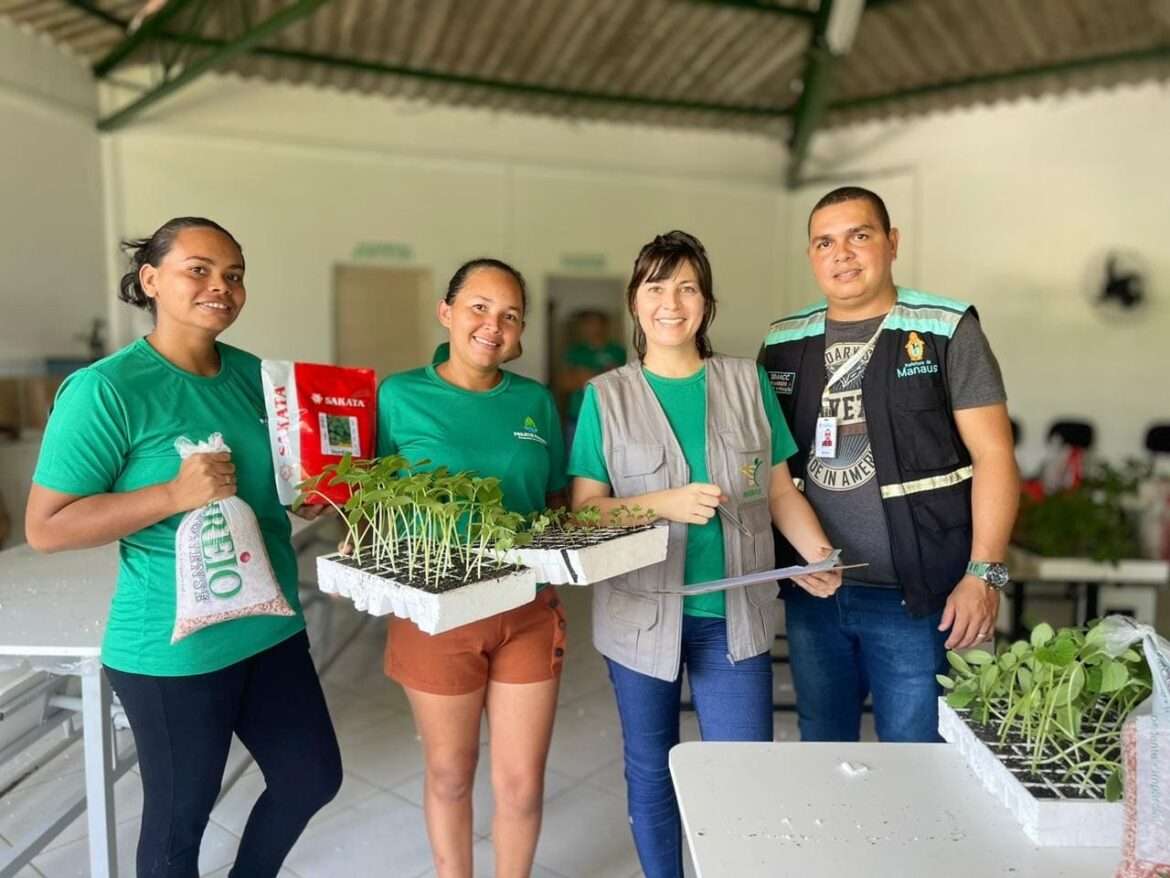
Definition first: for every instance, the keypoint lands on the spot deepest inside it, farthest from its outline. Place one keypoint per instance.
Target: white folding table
(53, 612)
(791, 809)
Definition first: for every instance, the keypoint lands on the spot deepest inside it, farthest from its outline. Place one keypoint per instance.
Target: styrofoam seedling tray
(433, 613)
(1047, 822)
(623, 551)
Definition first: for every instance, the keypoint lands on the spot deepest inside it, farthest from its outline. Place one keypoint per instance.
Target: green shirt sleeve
(557, 478)
(87, 438)
(386, 444)
(783, 445)
(587, 457)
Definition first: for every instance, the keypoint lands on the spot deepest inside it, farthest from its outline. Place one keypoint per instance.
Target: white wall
(1015, 208)
(303, 176)
(53, 281)
(1010, 207)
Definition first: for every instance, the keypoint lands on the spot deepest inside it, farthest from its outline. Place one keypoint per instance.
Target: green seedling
(1061, 694)
(423, 524)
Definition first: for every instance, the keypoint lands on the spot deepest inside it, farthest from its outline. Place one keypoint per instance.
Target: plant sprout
(428, 525)
(1060, 694)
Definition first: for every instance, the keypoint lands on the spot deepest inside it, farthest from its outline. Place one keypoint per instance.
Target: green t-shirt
(510, 432)
(112, 430)
(596, 360)
(684, 401)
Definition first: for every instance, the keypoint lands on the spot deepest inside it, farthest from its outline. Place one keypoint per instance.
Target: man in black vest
(905, 452)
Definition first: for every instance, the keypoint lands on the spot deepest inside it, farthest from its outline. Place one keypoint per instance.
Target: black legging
(183, 728)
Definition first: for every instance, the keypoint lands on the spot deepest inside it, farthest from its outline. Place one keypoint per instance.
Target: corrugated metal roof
(728, 64)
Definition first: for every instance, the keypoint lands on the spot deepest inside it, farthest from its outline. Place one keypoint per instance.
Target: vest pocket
(924, 435)
(750, 469)
(639, 469)
(943, 523)
(632, 610)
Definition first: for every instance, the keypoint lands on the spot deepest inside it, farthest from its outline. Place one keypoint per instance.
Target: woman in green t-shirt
(698, 438)
(109, 470)
(466, 413)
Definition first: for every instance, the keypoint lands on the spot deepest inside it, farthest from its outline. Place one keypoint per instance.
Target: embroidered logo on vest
(915, 349)
(751, 474)
(783, 382)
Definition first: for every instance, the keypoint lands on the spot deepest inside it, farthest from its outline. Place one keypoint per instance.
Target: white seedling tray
(583, 566)
(433, 613)
(1047, 822)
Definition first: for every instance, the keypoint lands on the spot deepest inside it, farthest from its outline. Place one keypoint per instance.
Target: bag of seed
(317, 414)
(222, 569)
(1145, 749)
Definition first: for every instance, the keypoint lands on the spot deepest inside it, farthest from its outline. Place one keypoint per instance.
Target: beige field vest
(634, 622)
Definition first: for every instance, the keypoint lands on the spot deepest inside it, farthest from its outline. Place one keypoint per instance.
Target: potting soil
(316, 415)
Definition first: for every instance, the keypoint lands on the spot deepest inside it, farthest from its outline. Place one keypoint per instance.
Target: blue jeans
(862, 641)
(733, 701)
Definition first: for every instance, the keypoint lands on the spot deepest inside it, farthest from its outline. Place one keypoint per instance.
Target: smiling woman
(110, 470)
(466, 413)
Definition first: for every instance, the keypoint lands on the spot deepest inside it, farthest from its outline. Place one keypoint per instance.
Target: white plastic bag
(222, 569)
(1145, 744)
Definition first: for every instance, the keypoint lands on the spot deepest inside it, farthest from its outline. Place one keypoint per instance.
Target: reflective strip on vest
(928, 484)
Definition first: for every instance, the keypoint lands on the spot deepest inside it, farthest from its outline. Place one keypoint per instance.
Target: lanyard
(850, 364)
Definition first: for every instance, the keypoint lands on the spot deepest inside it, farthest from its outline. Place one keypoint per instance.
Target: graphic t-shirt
(112, 430)
(684, 402)
(844, 490)
(596, 360)
(510, 432)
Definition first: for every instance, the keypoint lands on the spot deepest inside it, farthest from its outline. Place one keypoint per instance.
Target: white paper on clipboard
(830, 563)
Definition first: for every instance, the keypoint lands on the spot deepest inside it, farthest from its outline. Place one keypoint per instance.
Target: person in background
(593, 352)
(699, 439)
(468, 414)
(905, 452)
(108, 470)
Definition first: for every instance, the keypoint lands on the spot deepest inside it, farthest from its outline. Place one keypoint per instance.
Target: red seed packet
(317, 414)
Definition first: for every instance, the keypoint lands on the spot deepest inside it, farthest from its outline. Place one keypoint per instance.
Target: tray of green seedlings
(575, 549)
(1040, 722)
(423, 544)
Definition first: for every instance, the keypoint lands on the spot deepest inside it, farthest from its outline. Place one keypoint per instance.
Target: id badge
(826, 437)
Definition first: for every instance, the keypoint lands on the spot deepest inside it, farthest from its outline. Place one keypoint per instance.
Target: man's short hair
(853, 193)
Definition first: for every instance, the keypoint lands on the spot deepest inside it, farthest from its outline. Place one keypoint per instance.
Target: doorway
(382, 317)
(582, 313)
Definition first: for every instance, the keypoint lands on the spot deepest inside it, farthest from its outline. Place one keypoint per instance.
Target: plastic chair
(1077, 434)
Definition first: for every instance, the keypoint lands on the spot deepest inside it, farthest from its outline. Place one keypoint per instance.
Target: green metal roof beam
(762, 6)
(817, 83)
(523, 88)
(220, 55)
(148, 30)
(1157, 53)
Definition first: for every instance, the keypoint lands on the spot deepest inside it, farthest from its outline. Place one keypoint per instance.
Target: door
(382, 317)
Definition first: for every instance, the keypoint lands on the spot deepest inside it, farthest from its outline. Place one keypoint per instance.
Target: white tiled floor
(375, 826)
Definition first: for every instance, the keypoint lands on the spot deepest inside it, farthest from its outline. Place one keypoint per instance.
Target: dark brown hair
(464, 271)
(661, 259)
(152, 251)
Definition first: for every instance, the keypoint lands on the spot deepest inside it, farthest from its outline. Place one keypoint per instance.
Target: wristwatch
(994, 573)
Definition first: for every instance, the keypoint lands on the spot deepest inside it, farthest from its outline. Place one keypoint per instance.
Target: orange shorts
(524, 645)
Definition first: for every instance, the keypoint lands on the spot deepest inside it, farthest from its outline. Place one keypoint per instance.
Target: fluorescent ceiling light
(844, 18)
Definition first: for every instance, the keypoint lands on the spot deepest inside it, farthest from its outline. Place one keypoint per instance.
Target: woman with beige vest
(698, 438)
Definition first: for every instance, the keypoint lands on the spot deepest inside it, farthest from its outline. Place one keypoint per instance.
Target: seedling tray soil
(1052, 813)
(585, 556)
(434, 607)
